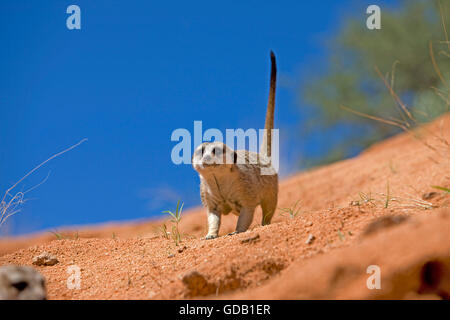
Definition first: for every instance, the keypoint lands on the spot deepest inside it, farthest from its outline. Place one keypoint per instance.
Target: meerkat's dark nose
(207, 159)
(20, 286)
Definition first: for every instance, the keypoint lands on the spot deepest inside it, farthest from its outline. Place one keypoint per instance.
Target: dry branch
(10, 202)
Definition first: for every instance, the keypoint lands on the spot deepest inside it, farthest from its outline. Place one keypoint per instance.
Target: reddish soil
(342, 207)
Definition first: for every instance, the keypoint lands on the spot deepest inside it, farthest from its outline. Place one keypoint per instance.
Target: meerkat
(21, 283)
(238, 181)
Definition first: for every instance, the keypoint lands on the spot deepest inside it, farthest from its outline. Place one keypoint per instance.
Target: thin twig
(443, 25)
(10, 202)
(41, 164)
(435, 66)
(396, 97)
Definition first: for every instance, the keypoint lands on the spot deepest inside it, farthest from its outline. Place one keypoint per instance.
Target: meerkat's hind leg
(268, 209)
(213, 225)
(245, 219)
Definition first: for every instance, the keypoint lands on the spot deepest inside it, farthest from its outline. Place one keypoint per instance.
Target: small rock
(309, 224)
(310, 239)
(251, 239)
(45, 259)
(171, 255)
(429, 195)
(180, 250)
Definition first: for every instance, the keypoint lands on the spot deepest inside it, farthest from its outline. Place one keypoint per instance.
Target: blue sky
(136, 71)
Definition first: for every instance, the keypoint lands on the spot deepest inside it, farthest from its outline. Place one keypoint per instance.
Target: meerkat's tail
(266, 146)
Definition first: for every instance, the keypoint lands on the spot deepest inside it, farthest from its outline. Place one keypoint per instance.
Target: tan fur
(232, 181)
(21, 283)
(266, 146)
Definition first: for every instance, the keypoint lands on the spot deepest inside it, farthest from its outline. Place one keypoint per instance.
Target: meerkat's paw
(210, 237)
(232, 233)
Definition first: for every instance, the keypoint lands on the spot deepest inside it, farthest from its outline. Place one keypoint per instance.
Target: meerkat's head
(21, 283)
(213, 156)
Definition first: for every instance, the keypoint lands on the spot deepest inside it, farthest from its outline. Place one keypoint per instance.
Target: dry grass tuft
(11, 202)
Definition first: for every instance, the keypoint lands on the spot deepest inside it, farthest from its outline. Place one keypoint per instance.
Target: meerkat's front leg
(213, 225)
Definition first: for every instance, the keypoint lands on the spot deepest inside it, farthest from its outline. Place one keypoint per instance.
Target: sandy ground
(378, 209)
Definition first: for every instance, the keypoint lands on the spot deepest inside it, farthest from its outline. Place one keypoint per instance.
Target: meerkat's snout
(212, 154)
(21, 283)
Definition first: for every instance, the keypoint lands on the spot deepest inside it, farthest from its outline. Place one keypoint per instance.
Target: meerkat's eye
(203, 150)
(217, 152)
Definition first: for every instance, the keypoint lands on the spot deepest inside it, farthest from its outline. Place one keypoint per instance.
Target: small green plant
(292, 211)
(389, 200)
(59, 236)
(176, 218)
(447, 190)
(129, 279)
(388, 195)
(363, 199)
(163, 231)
